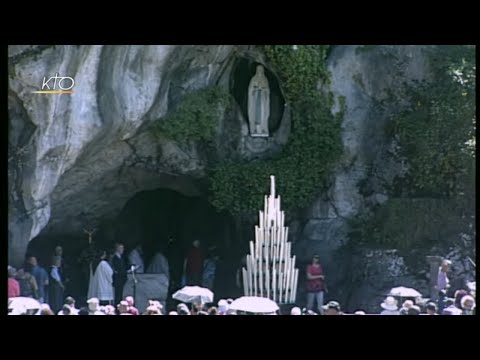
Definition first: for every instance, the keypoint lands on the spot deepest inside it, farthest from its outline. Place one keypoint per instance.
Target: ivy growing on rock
(437, 133)
(195, 117)
(313, 147)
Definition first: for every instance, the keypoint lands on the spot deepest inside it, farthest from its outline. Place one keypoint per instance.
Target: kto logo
(57, 85)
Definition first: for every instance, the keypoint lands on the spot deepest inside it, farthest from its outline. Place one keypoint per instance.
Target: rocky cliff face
(76, 159)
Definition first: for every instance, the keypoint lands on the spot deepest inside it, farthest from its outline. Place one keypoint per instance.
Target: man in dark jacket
(119, 267)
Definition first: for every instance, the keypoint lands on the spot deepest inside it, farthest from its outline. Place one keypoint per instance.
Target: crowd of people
(108, 277)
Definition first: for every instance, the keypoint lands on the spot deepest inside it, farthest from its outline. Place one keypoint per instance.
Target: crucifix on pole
(90, 232)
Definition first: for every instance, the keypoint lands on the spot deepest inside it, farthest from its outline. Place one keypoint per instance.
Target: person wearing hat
(222, 307)
(407, 304)
(468, 305)
(332, 308)
(389, 306)
(296, 311)
(182, 309)
(93, 307)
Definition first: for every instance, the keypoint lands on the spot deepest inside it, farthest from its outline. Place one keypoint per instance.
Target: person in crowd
(110, 310)
(119, 267)
(213, 311)
(296, 311)
(56, 287)
(468, 305)
(45, 309)
(94, 307)
(135, 258)
(123, 307)
(13, 285)
(413, 310)
(28, 284)
(153, 310)
(450, 308)
(131, 306)
(70, 302)
(182, 309)
(315, 284)
(443, 283)
(193, 265)
(389, 306)
(101, 283)
(209, 269)
(431, 308)
(332, 308)
(407, 304)
(41, 277)
(84, 311)
(65, 310)
(222, 307)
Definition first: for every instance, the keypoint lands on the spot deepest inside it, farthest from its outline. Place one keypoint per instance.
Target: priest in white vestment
(101, 283)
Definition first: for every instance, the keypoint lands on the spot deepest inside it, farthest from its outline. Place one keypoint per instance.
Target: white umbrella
(254, 304)
(194, 294)
(23, 305)
(402, 291)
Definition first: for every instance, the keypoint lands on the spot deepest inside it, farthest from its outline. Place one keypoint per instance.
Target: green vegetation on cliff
(195, 117)
(436, 135)
(314, 145)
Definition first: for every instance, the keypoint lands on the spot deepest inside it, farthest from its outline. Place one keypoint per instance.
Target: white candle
(286, 284)
(267, 281)
(265, 204)
(272, 185)
(282, 257)
(245, 282)
(250, 274)
(280, 287)
(260, 276)
(293, 262)
(274, 284)
(255, 277)
(295, 284)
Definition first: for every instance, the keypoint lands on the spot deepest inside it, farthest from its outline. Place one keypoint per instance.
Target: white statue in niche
(259, 104)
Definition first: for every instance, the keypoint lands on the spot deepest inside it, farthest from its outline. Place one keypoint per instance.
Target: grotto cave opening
(161, 220)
